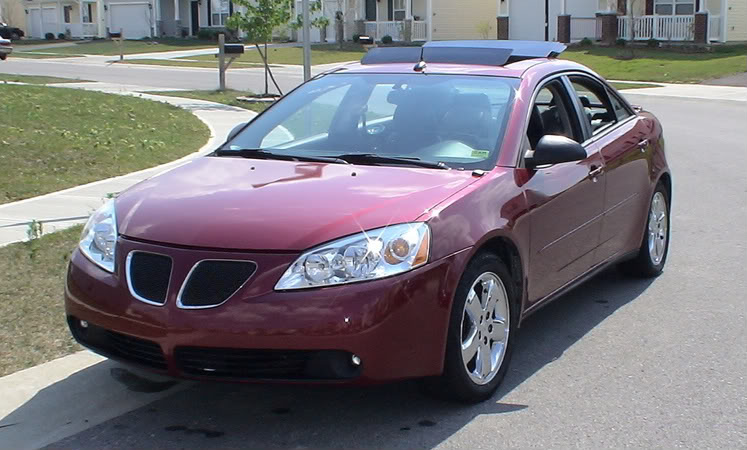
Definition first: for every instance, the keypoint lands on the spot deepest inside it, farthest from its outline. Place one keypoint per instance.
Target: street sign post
(306, 42)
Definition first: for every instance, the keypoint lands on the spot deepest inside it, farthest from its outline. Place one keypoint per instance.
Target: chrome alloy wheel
(485, 328)
(658, 229)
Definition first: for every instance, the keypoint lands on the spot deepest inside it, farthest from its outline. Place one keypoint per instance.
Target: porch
(403, 20)
(398, 30)
(675, 20)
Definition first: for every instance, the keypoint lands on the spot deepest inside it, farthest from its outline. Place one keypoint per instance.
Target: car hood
(243, 204)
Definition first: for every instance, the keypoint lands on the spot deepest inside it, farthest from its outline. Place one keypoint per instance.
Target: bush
(61, 36)
(387, 39)
(586, 42)
(49, 36)
(653, 43)
(621, 42)
(207, 34)
(356, 38)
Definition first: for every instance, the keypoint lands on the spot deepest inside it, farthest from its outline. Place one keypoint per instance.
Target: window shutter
(622, 7)
(649, 7)
(209, 13)
(230, 8)
(390, 10)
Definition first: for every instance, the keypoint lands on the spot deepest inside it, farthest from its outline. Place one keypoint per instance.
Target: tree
(320, 21)
(258, 20)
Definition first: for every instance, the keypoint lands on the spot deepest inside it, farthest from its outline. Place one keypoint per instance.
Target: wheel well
(666, 180)
(508, 253)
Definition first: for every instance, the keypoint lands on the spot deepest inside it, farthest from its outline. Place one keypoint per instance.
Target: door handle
(595, 172)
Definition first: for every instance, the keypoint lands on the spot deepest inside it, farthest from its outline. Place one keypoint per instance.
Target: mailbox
(365, 40)
(233, 49)
(115, 35)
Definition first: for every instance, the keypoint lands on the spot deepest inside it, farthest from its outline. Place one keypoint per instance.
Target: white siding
(461, 20)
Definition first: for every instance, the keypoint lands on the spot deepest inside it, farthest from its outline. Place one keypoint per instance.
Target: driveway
(617, 363)
(739, 79)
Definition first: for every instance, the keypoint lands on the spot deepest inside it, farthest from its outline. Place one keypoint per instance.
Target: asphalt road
(152, 76)
(616, 363)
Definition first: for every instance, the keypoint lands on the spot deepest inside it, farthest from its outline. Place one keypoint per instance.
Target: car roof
(499, 58)
(519, 69)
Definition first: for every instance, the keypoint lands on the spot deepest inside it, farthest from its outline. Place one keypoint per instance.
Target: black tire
(455, 383)
(3, 56)
(642, 265)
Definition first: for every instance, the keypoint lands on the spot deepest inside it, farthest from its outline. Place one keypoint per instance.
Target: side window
(598, 110)
(552, 113)
(621, 112)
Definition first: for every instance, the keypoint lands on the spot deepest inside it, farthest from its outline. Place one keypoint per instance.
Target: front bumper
(396, 326)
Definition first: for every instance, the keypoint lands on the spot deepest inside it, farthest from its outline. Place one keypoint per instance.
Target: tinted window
(458, 120)
(552, 114)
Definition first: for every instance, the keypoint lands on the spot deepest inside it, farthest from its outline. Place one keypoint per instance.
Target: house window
(220, 12)
(674, 7)
(66, 12)
(398, 6)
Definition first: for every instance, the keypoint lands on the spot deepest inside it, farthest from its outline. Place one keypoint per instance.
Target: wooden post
(121, 49)
(221, 61)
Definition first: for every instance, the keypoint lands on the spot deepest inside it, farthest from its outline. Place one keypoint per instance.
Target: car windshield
(456, 120)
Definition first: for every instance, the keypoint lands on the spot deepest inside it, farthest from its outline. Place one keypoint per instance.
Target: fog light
(83, 324)
(356, 360)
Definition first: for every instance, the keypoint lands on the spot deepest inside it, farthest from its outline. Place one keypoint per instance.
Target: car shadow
(396, 415)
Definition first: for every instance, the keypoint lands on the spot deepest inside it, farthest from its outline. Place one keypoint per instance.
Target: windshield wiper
(373, 158)
(258, 153)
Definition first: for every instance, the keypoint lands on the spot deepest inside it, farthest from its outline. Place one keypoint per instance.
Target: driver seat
(468, 115)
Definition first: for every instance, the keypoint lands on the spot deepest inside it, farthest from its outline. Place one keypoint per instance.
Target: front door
(195, 15)
(565, 200)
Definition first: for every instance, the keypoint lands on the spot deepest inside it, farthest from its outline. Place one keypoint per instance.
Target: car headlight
(99, 238)
(364, 256)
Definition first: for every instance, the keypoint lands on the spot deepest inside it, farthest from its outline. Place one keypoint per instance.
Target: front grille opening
(264, 364)
(212, 282)
(118, 346)
(148, 275)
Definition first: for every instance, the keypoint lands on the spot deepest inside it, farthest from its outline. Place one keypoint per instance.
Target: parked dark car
(5, 49)
(12, 33)
(397, 218)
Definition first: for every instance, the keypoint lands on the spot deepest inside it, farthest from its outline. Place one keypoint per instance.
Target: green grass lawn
(33, 329)
(620, 86)
(661, 65)
(55, 138)
(102, 47)
(40, 55)
(320, 54)
(36, 79)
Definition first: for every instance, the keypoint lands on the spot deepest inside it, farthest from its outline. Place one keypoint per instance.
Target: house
(11, 12)
(135, 18)
(665, 20)
(413, 20)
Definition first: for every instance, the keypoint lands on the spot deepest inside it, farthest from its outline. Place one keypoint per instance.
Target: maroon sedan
(392, 219)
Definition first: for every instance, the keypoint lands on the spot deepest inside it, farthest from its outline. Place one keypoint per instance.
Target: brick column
(564, 28)
(609, 27)
(502, 27)
(700, 28)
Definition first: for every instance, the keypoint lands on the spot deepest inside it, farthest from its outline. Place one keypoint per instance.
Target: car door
(565, 199)
(620, 137)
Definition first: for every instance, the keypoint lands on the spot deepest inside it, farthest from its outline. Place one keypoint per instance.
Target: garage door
(133, 19)
(35, 23)
(527, 20)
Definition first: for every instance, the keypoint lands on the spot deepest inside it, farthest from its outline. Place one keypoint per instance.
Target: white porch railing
(662, 28)
(396, 30)
(583, 27)
(82, 30)
(714, 28)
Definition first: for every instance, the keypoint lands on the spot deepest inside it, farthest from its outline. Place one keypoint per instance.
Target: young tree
(258, 20)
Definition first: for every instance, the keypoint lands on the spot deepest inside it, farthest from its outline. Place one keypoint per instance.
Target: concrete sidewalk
(63, 209)
(699, 91)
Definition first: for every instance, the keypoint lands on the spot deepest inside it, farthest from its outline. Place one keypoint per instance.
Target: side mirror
(553, 149)
(235, 131)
